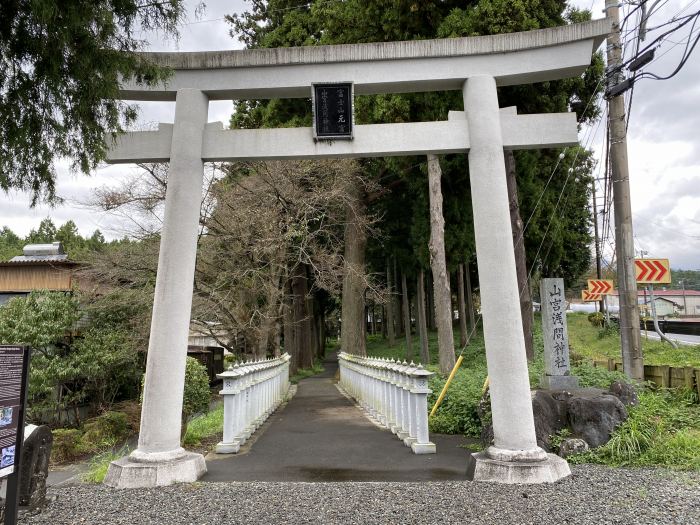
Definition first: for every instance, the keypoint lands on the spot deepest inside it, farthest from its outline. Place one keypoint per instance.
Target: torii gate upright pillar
(159, 458)
(515, 456)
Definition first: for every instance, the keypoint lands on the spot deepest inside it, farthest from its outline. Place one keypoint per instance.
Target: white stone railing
(393, 394)
(252, 391)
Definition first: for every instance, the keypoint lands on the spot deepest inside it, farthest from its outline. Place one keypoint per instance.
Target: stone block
(482, 468)
(228, 448)
(423, 448)
(559, 382)
(125, 473)
(572, 446)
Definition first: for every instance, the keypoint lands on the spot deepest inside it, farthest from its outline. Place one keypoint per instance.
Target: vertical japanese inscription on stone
(332, 108)
(556, 337)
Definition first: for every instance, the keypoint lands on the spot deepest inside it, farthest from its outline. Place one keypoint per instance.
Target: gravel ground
(594, 494)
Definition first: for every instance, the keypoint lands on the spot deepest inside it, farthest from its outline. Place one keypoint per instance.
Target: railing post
(419, 394)
(410, 405)
(229, 444)
(403, 402)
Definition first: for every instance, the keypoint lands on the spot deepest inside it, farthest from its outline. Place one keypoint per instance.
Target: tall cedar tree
(60, 65)
(557, 239)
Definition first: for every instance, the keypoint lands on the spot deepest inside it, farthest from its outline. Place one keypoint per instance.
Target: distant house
(668, 302)
(41, 267)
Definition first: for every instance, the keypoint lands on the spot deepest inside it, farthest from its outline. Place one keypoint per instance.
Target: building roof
(40, 254)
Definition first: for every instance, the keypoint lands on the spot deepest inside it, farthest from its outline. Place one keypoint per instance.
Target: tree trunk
(290, 345)
(398, 303)
(353, 303)
(516, 224)
(406, 317)
(470, 298)
(430, 299)
(421, 318)
(389, 319)
(461, 307)
(374, 318)
(277, 343)
(303, 335)
(442, 296)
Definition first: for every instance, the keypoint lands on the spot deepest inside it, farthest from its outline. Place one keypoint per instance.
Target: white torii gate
(475, 65)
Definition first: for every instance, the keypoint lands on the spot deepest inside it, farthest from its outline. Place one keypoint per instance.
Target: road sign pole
(598, 270)
(656, 319)
(632, 361)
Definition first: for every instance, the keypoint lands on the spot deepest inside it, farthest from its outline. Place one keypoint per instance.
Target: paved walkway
(322, 436)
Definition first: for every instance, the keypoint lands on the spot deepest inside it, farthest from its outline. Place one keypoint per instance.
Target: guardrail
(252, 391)
(393, 394)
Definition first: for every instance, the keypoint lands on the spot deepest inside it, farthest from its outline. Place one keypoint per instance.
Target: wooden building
(42, 267)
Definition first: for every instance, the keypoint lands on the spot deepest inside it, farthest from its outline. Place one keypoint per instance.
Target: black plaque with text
(14, 361)
(333, 110)
(14, 375)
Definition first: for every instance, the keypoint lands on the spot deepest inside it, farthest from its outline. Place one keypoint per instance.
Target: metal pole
(656, 319)
(685, 304)
(598, 271)
(632, 360)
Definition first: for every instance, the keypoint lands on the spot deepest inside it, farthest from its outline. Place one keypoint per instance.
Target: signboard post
(601, 288)
(14, 371)
(333, 111)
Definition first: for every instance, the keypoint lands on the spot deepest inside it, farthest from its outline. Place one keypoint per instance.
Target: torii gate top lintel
(382, 67)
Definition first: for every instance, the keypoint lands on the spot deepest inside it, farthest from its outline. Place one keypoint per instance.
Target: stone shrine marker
(556, 337)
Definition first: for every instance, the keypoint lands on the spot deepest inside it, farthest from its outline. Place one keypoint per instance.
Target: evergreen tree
(60, 67)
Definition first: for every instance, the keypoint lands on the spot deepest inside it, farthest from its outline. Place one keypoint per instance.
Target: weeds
(204, 425)
(100, 464)
(303, 373)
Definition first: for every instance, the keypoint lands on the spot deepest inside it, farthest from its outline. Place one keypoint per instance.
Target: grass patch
(99, 464)
(303, 373)
(204, 426)
(598, 343)
(664, 429)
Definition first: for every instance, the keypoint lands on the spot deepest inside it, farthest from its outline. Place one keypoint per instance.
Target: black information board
(333, 110)
(14, 365)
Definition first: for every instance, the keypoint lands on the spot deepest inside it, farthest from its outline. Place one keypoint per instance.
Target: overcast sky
(663, 143)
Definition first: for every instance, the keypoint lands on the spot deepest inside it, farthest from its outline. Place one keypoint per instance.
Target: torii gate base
(475, 65)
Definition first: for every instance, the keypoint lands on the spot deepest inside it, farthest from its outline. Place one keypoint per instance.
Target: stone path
(320, 435)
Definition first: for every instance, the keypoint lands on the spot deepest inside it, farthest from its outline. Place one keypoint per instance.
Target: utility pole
(598, 271)
(632, 360)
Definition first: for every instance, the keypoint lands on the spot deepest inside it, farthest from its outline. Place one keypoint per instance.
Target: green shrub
(596, 319)
(197, 394)
(66, 445)
(458, 412)
(104, 431)
(589, 375)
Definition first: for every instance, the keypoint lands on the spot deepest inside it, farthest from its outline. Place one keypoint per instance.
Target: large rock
(593, 416)
(550, 417)
(572, 446)
(625, 393)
